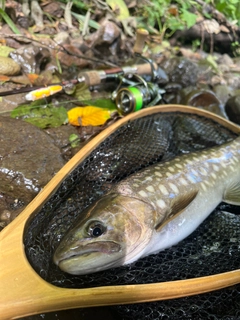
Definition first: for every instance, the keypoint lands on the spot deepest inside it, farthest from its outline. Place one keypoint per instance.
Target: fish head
(108, 234)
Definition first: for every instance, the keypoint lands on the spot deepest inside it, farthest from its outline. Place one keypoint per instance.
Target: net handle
(23, 292)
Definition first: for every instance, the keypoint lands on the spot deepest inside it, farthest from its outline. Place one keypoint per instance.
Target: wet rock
(28, 160)
(107, 39)
(225, 59)
(9, 67)
(181, 70)
(223, 92)
(106, 34)
(204, 99)
(232, 109)
(31, 58)
(232, 80)
(60, 136)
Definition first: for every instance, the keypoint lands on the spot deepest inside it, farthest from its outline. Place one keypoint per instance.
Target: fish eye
(95, 229)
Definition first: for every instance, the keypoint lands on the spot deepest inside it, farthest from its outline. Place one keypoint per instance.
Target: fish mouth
(82, 251)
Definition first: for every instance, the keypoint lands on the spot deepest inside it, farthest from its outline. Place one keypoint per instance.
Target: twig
(100, 61)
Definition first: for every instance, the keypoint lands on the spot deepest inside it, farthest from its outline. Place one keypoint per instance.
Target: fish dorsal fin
(177, 207)
(232, 194)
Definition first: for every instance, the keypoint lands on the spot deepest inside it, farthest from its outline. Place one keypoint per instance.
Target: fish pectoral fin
(232, 194)
(177, 207)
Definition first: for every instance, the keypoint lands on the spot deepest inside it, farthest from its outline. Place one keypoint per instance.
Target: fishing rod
(133, 91)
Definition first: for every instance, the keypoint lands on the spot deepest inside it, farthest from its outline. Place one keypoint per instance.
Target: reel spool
(133, 98)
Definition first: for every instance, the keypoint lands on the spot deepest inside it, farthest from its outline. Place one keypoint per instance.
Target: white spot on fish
(232, 168)
(143, 194)
(158, 174)
(183, 182)
(171, 169)
(235, 159)
(203, 171)
(213, 175)
(163, 189)
(150, 188)
(208, 183)
(178, 165)
(203, 186)
(168, 174)
(174, 188)
(161, 204)
(136, 185)
(148, 179)
(224, 165)
(215, 167)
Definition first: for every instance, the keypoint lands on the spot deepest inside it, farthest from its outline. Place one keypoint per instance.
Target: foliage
(230, 8)
(74, 140)
(9, 21)
(40, 115)
(170, 16)
(120, 8)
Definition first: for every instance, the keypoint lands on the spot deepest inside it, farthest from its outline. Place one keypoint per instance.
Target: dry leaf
(88, 116)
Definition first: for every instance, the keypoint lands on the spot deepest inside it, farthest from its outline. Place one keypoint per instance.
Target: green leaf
(4, 51)
(82, 92)
(74, 140)
(43, 117)
(9, 22)
(101, 103)
(189, 18)
(119, 7)
(93, 24)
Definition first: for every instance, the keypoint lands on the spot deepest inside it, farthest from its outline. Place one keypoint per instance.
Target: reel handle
(141, 37)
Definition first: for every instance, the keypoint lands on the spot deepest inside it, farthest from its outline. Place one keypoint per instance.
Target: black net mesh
(213, 248)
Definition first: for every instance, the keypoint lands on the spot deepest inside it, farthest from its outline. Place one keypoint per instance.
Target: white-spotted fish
(151, 210)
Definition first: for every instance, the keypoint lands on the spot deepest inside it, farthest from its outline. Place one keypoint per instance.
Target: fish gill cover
(213, 248)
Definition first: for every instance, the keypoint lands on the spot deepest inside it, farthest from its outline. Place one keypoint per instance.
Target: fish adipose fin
(232, 194)
(178, 206)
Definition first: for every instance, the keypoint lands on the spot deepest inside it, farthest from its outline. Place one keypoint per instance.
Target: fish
(151, 210)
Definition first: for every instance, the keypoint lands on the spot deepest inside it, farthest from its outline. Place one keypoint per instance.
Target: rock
(204, 99)
(181, 70)
(28, 160)
(232, 108)
(9, 67)
(223, 92)
(31, 58)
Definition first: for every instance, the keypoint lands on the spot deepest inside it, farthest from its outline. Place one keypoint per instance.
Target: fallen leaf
(119, 8)
(32, 77)
(41, 115)
(4, 78)
(5, 50)
(88, 116)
